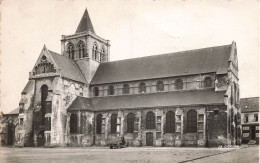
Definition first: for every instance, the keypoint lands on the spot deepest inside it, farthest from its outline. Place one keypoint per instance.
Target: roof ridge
(156, 55)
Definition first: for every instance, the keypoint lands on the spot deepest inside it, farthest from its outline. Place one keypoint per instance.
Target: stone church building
(81, 98)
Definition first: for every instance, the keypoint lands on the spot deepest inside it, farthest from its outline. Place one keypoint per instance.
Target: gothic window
(160, 86)
(48, 123)
(81, 47)
(192, 121)
(179, 84)
(113, 123)
(95, 52)
(130, 123)
(99, 123)
(208, 82)
(44, 94)
(111, 90)
(126, 89)
(73, 123)
(71, 51)
(150, 120)
(102, 55)
(142, 88)
(96, 91)
(170, 122)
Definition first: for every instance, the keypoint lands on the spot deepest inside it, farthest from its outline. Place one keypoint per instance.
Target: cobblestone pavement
(130, 155)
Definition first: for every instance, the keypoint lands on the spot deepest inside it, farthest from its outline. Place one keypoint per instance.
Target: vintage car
(118, 143)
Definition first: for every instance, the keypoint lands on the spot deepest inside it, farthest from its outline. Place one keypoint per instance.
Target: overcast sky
(134, 28)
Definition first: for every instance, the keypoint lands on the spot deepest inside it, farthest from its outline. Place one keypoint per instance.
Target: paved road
(130, 155)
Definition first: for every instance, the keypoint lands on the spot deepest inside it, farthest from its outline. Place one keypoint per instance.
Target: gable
(44, 63)
(51, 63)
(208, 60)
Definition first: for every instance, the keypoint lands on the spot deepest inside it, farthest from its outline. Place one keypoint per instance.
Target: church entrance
(149, 139)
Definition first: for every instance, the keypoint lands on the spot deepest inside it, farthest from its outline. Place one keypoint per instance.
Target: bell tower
(85, 47)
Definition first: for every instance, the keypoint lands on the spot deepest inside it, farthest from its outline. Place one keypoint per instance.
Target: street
(242, 154)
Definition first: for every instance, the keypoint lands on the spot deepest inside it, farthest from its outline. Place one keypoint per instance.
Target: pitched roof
(14, 112)
(28, 86)
(81, 103)
(85, 23)
(249, 104)
(213, 59)
(201, 97)
(69, 68)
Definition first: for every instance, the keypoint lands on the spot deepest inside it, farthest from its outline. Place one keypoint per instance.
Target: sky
(135, 29)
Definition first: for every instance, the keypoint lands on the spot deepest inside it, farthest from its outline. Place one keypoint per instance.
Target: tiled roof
(185, 98)
(85, 23)
(249, 104)
(28, 86)
(69, 68)
(81, 103)
(213, 59)
(14, 112)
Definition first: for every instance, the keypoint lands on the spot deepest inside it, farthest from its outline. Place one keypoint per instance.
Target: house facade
(81, 98)
(250, 122)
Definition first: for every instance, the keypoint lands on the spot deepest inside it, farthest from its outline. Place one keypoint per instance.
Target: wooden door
(149, 139)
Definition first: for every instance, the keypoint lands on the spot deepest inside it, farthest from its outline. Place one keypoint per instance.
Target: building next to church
(250, 122)
(81, 98)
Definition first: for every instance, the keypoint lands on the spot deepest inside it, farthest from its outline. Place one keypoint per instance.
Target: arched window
(102, 55)
(95, 91)
(170, 122)
(159, 86)
(142, 88)
(130, 123)
(95, 52)
(126, 89)
(111, 90)
(192, 121)
(150, 120)
(208, 82)
(179, 84)
(81, 47)
(44, 94)
(113, 123)
(73, 123)
(99, 123)
(71, 51)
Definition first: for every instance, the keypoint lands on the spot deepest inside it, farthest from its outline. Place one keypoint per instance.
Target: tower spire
(85, 23)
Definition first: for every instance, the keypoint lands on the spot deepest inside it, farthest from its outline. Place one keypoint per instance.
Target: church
(81, 98)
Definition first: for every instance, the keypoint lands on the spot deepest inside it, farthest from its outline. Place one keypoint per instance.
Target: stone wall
(211, 127)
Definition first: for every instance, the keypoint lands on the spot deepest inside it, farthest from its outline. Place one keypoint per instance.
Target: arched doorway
(149, 139)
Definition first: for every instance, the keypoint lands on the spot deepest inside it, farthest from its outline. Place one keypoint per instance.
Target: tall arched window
(126, 89)
(96, 91)
(130, 123)
(159, 86)
(111, 90)
(95, 52)
(44, 94)
(208, 82)
(81, 47)
(170, 122)
(192, 121)
(150, 120)
(71, 51)
(142, 88)
(99, 123)
(179, 84)
(73, 123)
(113, 123)
(102, 55)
